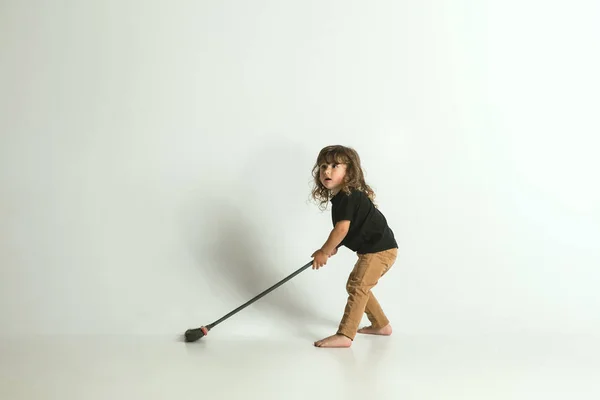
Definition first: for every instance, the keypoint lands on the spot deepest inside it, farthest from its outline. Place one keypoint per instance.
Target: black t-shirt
(369, 231)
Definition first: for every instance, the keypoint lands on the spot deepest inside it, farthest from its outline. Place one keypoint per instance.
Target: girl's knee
(358, 289)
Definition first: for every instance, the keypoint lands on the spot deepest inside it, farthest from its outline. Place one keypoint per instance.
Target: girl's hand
(320, 259)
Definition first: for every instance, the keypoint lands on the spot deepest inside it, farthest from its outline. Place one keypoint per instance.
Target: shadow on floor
(236, 258)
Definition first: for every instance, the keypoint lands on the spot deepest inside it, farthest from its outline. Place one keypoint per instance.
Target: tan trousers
(365, 275)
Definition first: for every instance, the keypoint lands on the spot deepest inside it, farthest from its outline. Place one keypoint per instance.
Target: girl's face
(332, 175)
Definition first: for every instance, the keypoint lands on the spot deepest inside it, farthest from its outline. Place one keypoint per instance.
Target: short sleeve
(347, 207)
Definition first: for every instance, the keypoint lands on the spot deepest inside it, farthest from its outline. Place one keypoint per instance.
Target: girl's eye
(332, 165)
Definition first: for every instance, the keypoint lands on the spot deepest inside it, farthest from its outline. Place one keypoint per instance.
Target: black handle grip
(191, 335)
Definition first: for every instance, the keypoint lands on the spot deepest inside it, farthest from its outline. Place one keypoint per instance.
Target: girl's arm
(336, 236)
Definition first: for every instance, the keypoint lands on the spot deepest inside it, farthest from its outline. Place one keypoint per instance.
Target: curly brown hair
(354, 179)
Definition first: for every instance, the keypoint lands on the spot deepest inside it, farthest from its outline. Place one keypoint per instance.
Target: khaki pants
(365, 275)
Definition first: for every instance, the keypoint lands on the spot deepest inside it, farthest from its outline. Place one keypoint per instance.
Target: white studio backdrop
(155, 162)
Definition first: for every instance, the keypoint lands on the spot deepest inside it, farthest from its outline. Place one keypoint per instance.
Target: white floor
(398, 367)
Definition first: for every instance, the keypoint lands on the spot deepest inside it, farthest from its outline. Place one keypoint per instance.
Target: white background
(155, 162)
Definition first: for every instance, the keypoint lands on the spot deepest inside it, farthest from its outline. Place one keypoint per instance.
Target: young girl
(361, 227)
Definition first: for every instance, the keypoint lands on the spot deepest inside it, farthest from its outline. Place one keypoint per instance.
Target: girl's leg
(380, 324)
(375, 313)
(365, 275)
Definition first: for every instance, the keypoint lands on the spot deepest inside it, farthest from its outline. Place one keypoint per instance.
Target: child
(362, 228)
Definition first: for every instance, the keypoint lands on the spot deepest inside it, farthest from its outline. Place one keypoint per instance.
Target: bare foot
(334, 341)
(369, 330)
